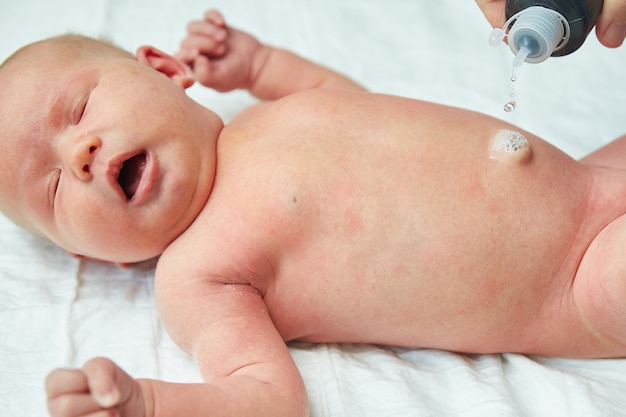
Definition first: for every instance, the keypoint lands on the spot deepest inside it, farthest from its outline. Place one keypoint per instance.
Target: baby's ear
(166, 64)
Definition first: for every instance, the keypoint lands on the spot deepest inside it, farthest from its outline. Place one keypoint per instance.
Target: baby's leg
(599, 290)
(612, 154)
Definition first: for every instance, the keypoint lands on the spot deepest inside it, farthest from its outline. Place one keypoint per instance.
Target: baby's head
(101, 151)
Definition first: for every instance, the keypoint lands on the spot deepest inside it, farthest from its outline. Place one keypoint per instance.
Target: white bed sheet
(56, 311)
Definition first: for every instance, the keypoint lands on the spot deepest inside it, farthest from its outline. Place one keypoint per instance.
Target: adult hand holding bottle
(610, 28)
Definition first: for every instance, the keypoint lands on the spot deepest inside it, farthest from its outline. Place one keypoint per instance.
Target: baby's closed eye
(79, 110)
(53, 186)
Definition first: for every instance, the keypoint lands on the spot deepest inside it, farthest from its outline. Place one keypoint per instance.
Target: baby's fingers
(207, 30)
(214, 17)
(77, 405)
(68, 394)
(108, 383)
(64, 381)
(202, 69)
(197, 44)
(204, 37)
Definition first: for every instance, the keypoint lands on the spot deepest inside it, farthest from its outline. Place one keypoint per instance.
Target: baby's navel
(509, 146)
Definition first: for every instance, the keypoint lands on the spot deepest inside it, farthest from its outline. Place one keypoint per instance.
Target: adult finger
(493, 11)
(611, 26)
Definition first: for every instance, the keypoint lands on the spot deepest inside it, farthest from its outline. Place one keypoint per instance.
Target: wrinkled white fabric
(56, 311)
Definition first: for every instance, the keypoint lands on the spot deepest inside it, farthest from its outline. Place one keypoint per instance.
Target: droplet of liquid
(510, 106)
(517, 62)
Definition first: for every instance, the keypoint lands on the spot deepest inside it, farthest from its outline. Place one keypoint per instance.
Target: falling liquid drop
(517, 62)
(510, 106)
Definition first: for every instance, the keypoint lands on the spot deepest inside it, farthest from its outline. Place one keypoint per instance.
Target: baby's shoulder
(302, 103)
(215, 249)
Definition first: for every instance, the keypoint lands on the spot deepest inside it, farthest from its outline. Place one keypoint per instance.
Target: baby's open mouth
(130, 174)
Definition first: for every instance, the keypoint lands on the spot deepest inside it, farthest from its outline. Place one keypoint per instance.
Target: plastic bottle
(537, 29)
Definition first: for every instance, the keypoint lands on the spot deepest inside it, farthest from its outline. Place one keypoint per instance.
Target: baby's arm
(225, 59)
(245, 364)
(226, 326)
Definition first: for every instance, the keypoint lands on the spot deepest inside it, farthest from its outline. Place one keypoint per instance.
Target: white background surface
(56, 311)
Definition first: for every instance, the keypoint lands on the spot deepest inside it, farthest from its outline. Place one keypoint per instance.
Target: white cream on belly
(509, 145)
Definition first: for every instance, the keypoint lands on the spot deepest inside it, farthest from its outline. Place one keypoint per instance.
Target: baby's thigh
(600, 301)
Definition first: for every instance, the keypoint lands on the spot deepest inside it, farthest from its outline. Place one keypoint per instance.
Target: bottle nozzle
(536, 30)
(521, 55)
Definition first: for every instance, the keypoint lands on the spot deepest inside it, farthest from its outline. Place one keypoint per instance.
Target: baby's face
(101, 153)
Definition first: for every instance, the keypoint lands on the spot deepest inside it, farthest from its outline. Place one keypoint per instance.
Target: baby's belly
(458, 250)
(450, 302)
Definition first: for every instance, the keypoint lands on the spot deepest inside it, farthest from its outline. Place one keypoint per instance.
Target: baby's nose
(82, 156)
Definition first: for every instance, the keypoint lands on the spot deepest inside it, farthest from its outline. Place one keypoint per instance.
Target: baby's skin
(335, 215)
